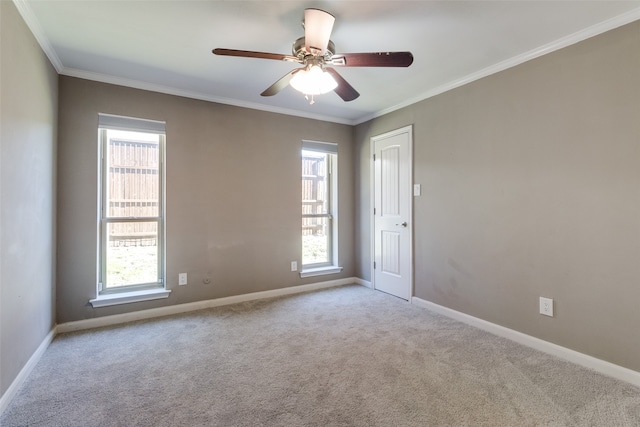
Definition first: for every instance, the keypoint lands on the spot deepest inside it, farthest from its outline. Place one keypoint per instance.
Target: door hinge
(374, 211)
(374, 157)
(374, 265)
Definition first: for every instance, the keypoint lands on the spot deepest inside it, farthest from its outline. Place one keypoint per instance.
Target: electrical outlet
(182, 279)
(546, 306)
(294, 265)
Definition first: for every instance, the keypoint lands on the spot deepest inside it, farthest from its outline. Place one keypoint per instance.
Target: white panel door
(392, 213)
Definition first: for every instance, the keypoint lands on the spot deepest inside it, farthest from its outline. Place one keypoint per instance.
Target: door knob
(404, 224)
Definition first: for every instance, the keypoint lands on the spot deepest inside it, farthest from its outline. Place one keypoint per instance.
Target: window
(319, 203)
(131, 208)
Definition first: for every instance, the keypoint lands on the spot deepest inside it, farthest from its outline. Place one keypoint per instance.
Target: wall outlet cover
(546, 306)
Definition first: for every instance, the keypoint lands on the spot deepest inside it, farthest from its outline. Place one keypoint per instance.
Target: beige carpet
(347, 356)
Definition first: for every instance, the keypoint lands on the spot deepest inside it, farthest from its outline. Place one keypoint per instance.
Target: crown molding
(137, 84)
(32, 22)
(594, 30)
(34, 25)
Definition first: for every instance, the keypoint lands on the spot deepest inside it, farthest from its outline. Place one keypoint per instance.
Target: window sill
(321, 271)
(128, 297)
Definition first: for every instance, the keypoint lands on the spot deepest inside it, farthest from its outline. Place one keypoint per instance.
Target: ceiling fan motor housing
(299, 50)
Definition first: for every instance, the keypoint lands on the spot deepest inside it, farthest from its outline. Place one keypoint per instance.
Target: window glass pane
(132, 253)
(133, 184)
(315, 189)
(315, 240)
(317, 221)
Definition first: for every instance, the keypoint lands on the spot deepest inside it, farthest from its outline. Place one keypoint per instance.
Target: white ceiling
(166, 45)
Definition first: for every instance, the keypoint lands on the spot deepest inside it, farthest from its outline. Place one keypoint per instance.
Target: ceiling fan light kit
(313, 81)
(314, 51)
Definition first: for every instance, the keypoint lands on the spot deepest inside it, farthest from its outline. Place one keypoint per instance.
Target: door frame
(372, 233)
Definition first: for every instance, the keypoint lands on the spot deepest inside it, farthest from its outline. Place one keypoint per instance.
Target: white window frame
(331, 266)
(142, 291)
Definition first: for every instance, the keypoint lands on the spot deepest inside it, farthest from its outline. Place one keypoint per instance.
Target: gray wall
(28, 105)
(233, 195)
(531, 187)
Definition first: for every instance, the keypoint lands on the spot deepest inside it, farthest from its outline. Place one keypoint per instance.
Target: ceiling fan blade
(280, 84)
(344, 89)
(252, 54)
(317, 30)
(373, 59)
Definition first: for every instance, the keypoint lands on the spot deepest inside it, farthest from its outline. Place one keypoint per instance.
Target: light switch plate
(416, 189)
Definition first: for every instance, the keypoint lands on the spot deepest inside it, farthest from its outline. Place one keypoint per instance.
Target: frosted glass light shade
(313, 81)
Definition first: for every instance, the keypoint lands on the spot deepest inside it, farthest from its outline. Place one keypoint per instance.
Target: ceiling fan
(315, 51)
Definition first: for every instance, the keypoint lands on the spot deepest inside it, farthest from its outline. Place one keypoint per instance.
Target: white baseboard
(598, 365)
(26, 370)
(362, 282)
(198, 305)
